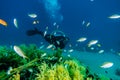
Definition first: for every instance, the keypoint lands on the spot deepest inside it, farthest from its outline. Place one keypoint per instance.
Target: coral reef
(38, 66)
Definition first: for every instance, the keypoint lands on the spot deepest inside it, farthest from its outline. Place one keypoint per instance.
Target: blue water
(68, 14)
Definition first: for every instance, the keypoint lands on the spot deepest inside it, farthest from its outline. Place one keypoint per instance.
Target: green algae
(37, 67)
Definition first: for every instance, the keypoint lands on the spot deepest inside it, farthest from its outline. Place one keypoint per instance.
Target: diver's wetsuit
(57, 41)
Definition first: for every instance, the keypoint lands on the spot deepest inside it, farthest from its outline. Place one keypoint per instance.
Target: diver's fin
(33, 32)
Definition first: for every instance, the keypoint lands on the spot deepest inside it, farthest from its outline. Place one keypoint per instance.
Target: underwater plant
(42, 65)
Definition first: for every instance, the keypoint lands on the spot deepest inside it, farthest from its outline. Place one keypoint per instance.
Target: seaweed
(38, 66)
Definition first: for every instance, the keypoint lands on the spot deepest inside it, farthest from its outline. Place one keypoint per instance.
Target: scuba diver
(58, 40)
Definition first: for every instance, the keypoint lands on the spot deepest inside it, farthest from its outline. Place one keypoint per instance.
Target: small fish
(114, 16)
(9, 70)
(101, 51)
(88, 24)
(30, 70)
(83, 22)
(106, 65)
(92, 48)
(60, 59)
(43, 55)
(45, 32)
(68, 55)
(82, 39)
(99, 45)
(4, 23)
(19, 51)
(41, 47)
(15, 22)
(54, 33)
(50, 46)
(32, 15)
(71, 50)
(36, 22)
(58, 42)
(64, 50)
(54, 24)
(92, 42)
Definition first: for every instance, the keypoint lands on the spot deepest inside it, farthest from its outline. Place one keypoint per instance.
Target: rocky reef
(42, 65)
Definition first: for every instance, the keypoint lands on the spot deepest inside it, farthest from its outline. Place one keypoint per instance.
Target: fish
(32, 15)
(45, 33)
(41, 47)
(92, 42)
(83, 22)
(9, 70)
(19, 51)
(4, 23)
(92, 48)
(43, 55)
(64, 50)
(54, 24)
(15, 22)
(99, 45)
(88, 24)
(70, 51)
(114, 16)
(58, 42)
(50, 46)
(82, 39)
(107, 65)
(36, 22)
(69, 55)
(101, 51)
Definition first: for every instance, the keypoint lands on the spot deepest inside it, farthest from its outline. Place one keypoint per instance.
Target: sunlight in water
(53, 9)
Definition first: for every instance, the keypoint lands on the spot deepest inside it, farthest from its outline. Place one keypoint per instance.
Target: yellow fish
(4, 23)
